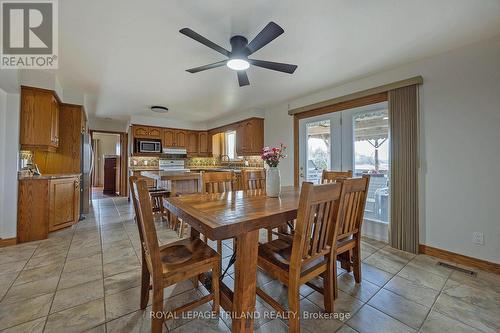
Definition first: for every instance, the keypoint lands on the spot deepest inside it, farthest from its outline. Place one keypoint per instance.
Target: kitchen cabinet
(146, 132)
(203, 143)
(39, 127)
(192, 143)
(64, 202)
(250, 137)
(174, 138)
(45, 204)
(180, 139)
(168, 139)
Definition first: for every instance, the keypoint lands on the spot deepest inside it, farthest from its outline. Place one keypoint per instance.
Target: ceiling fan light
(238, 64)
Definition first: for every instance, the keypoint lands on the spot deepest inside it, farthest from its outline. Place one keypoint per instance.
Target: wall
(460, 154)
(108, 144)
(9, 143)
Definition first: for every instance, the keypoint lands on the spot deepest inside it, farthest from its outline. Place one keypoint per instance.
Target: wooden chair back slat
(144, 217)
(253, 179)
(187, 184)
(316, 222)
(353, 204)
(332, 176)
(218, 182)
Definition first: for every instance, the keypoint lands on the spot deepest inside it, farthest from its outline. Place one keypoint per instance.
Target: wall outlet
(478, 238)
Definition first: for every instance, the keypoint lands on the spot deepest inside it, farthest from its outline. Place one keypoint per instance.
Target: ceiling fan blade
(266, 36)
(204, 68)
(199, 38)
(243, 78)
(275, 66)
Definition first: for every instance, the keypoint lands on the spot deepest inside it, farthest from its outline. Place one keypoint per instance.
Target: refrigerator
(86, 168)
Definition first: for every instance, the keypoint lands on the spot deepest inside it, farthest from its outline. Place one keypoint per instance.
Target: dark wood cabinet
(192, 143)
(39, 127)
(64, 202)
(203, 143)
(146, 132)
(110, 167)
(250, 137)
(180, 139)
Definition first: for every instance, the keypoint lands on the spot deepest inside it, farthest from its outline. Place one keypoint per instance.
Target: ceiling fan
(240, 50)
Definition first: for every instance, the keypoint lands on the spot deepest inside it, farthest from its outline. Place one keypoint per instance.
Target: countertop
(51, 176)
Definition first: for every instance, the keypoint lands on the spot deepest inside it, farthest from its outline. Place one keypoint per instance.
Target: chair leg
(356, 259)
(145, 280)
(181, 228)
(269, 235)
(334, 269)
(329, 286)
(219, 246)
(294, 308)
(216, 288)
(157, 308)
(345, 260)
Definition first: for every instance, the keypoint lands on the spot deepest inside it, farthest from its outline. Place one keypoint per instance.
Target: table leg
(245, 282)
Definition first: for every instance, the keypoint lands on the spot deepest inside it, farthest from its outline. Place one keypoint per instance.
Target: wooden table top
(226, 215)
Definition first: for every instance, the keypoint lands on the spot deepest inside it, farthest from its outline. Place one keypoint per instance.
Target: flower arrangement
(272, 156)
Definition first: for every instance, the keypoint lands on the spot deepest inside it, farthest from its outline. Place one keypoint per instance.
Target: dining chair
(218, 182)
(348, 248)
(310, 251)
(189, 183)
(171, 263)
(331, 176)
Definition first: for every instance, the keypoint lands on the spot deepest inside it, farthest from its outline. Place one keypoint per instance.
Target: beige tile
(122, 281)
(36, 274)
(430, 264)
(438, 323)
(363, 291)
(385, 263)
(412, 291)
(135, 322)
(315, 319)
(41, 261)
(121, 265)
(98, 329)
(80, 252)
(374, 275)
(273, 326)
(373, 242)
(422, 277)
(480, 318)
(483, 280)
(20, 292)
(179, 300)
(16, 253)
(345, 305)
(279, 292)
(369, 319)
(406, 311)
(203, 325)
(81, 263)
(77, 319)
(74, 278)
(6, 280)
(13, 266)
(346, 329)
(118, 253)
(486, 298)
(122, 303)
(34, 326)
(79, 294)
(13, 314)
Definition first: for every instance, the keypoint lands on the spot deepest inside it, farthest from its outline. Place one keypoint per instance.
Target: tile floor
(86, 279)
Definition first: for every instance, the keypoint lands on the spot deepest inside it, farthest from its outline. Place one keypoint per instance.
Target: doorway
(109, 174)
(355, 139)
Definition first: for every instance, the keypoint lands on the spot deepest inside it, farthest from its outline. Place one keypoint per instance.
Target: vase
(273, 182)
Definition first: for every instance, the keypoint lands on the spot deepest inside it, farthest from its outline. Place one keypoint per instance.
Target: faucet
(225, 158)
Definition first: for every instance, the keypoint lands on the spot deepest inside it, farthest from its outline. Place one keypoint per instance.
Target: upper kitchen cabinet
(39, 119)
(146, 132)
(168, 137)
(174, 138)
(192, 143)
(250, 137)
(203, 148)
(181, 139)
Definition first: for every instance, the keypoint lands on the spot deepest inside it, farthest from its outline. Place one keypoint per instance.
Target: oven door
(149, 146)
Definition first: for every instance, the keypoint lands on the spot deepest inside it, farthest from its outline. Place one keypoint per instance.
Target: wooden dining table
(239, 215)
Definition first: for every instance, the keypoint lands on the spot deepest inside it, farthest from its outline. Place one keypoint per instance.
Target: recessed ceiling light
(159, 109)
(238, 64)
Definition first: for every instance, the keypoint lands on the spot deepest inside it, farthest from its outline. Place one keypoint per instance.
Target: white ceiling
(129, 54)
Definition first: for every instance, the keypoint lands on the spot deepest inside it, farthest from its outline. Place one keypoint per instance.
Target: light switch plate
(478, 238)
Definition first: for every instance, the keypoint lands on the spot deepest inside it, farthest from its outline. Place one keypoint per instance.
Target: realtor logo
(29, 34)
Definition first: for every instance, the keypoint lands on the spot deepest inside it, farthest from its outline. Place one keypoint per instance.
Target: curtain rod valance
(376, 90)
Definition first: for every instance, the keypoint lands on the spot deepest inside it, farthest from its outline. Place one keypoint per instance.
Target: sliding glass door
(355, 139)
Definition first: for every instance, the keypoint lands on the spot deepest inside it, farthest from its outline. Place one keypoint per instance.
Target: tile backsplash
(140, 161)
(253, 162)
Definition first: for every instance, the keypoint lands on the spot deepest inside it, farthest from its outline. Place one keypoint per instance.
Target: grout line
(59, 280)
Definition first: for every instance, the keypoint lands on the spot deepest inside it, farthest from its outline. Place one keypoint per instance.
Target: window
(230, 147)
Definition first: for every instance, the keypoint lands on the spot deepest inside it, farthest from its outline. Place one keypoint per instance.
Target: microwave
(147, 146)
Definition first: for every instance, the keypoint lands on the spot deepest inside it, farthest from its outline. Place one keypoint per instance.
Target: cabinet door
(168, 139)
(54, 129)
(192, 146)
(154, 133)
(203, 143)
(141, 132)
(180, 139)
(241, 140)
(64, 202)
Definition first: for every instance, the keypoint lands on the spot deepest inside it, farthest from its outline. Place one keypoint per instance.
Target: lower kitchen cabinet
(46, 204)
